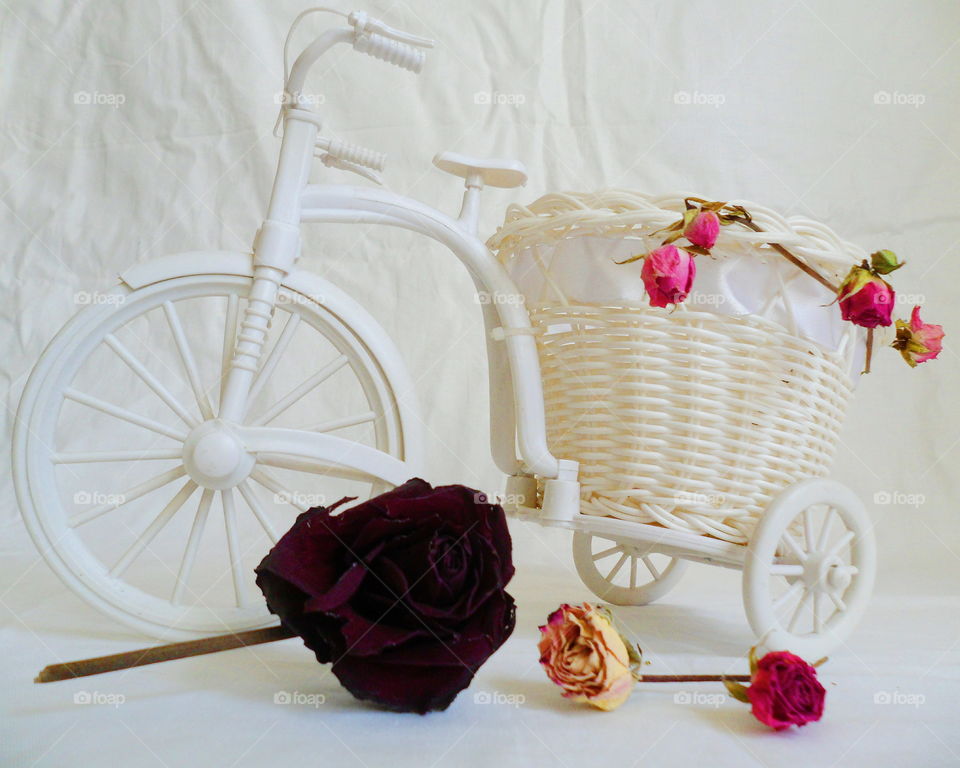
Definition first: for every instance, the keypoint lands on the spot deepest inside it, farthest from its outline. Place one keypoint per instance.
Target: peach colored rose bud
(703, 229)
(583, 653)
(918, 341)
(668, 274)
(865, 299)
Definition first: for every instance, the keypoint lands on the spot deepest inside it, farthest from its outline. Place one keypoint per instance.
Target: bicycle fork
(276, 250)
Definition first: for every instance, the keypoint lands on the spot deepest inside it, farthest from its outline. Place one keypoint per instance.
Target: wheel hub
(214, 456)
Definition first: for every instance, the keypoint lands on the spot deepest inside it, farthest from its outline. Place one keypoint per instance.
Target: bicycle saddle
(494, 172)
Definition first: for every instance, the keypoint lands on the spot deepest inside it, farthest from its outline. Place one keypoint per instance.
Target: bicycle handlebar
(369, 36)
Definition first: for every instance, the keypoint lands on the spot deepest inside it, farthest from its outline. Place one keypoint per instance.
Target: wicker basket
(689, 419)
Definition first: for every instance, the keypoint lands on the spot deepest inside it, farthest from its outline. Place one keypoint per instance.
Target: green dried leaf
(737, 690)
(753, 661)
(633, 259)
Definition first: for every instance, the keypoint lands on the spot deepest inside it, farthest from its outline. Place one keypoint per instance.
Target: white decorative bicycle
(225, 445)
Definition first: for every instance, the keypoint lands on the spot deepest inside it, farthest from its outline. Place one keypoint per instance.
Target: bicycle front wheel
(104, 482)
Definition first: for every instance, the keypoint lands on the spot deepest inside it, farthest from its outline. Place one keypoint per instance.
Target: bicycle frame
(516, 393)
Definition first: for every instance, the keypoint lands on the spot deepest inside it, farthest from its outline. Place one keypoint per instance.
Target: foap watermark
(899, 698)
(706, 299)
(910, 299)
(499, 298)
(699, 699)
(282, 98)
(308, 500)
(296, 698)
(98, 99)
(695, 499)
(698, 99)
(899, 499)
(898, 99)
(498, 99)
(87, 298)
(87, 498)
(99, 698)
(299, 299)
(503, 499)
(515, 700)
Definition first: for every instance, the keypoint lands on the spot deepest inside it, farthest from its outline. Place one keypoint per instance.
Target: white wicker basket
(688, 419)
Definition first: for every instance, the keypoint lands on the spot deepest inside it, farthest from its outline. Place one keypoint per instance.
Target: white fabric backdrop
(840, 111)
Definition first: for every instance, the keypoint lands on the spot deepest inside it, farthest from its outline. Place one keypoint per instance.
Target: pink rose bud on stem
(783, 691)
(668, 274)
(918, 341)
(702, 229)
(865, 299)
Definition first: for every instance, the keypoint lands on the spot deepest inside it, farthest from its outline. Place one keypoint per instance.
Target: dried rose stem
(869, 357)
(794, 260)
(693, 678)
(117, 661)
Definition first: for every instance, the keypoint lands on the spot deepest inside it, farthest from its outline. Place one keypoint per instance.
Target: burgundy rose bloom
(785, 691)
(404, 593)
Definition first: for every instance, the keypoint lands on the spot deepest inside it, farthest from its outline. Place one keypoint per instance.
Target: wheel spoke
(298, 393)
(817, 613)
(807, 530)
(229, 341)
(230, 523)
(616, 569)
(348, 421)
(786, 569)
(186, 357)
(608, 552)
(838, 602)
(798, 611)
(91, 457)
(825, 530)
(841, 543)
(792, 543)
(130, 495)
(149, 379)
(787, 596)
(144, 539)
(248, 496)
(274, 355)
(633, 572)
(193, 543)
(124, 415)
(269, 482)
(647, 561)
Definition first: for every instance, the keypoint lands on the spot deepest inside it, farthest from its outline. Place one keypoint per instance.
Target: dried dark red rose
(404, 593)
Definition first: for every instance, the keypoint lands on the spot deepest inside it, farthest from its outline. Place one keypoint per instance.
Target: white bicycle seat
(494, 172)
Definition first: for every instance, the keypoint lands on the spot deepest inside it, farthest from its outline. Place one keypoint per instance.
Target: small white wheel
(624, 572)
(123, 468)
(809, 569)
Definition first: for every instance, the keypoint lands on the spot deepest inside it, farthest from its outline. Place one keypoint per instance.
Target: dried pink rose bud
(918, 341)
(866, 299)
(703, 229)
(668, 274)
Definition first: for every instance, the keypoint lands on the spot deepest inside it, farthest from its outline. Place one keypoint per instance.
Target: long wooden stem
(117, 661)
(693, 678)
(802, 265)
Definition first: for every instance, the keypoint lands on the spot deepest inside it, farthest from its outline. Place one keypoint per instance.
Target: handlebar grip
(354, 153)
(391, 51)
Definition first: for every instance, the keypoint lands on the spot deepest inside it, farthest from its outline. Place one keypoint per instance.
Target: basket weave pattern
(692, 420)
(688, 419)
